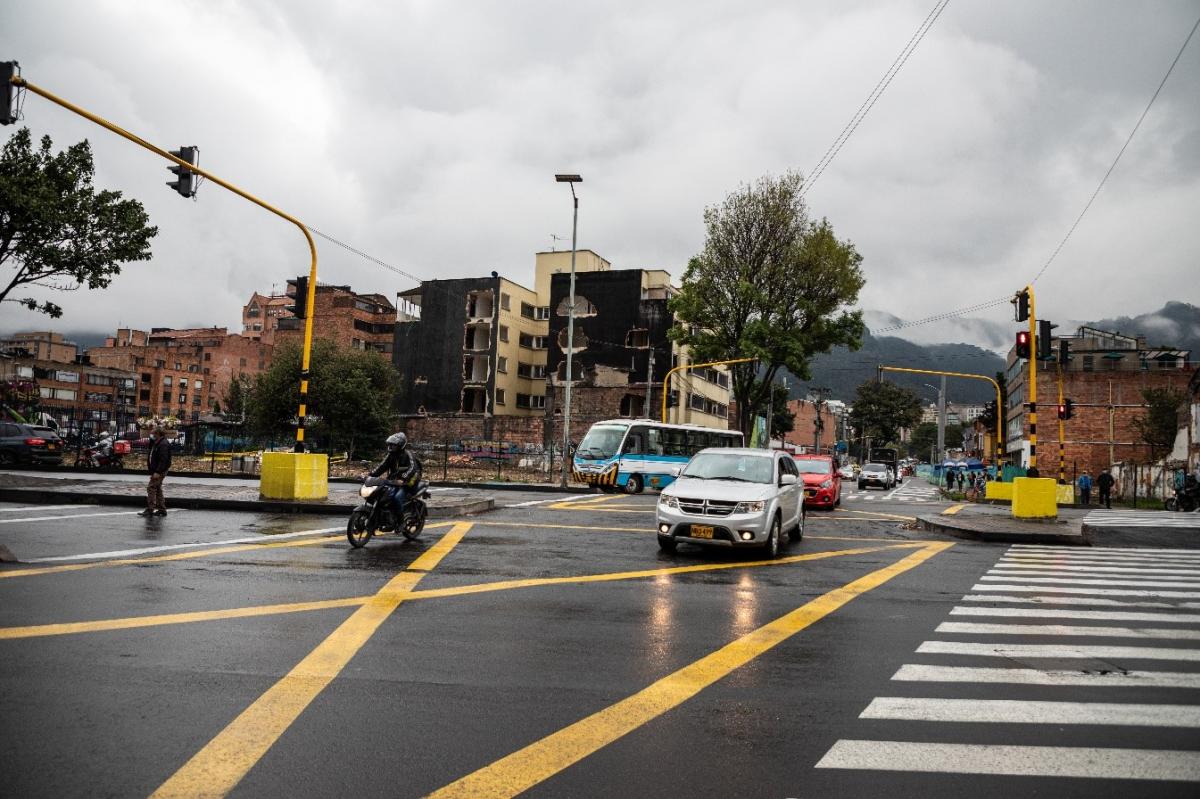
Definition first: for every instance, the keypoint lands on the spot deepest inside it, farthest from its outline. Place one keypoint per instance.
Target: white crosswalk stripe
(1142, 518)
(1046, 627)
(909, 491)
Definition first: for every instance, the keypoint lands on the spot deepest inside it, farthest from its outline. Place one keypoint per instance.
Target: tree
(1160, 424)
(988, 417)
(782, 419)
(56, 230)
(882, 409)
(770, 284)
(236, 396)
(350, 396)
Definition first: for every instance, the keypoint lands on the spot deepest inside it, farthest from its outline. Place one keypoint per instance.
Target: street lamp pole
(566, 451)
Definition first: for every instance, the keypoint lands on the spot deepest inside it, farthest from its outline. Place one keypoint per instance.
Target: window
(696, 402)
(632, 405)
(638, 337)
(533, 342)
(500, 396)
(527, 310)
(208, 356)
(167, 380)
(541, 313)
(199, 384)
(195, 400)
(24, 371)
(182, 382)
(159, 363)
(100, 380)
(502, 365)
(504, 333)
(178, 366)
(143, 410)
(533, 371)
(1089, 363)
(166, 396)
(183, 399)
(504, 302)
(67, 377)
(531, 401)
(144, 395)
(241, 361)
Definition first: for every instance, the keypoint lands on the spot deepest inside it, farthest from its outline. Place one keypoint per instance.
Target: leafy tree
(988, 417)
(924, 437)
(56, 230)
(782, 419)
(350, 396)
(237, 395)
(1160, 424)
(882, 408)
(769, 284)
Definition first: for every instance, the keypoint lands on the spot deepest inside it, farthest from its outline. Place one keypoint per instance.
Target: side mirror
(676, 471)
(788, 479)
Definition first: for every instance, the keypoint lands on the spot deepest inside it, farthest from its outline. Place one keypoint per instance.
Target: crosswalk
(909, 491)
(1142, 518)
(1052, 639)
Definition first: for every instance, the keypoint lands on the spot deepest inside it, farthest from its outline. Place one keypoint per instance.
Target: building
(1104, 378)
(261, 315)
(340, 314)
(817, 425)
(79, 396)
(41, 346)
(182, 373)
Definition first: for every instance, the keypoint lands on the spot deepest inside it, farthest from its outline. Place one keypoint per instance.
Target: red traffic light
(1062, 411)
(1023, 344)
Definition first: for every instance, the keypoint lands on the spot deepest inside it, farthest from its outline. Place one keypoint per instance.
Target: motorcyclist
(400, 468)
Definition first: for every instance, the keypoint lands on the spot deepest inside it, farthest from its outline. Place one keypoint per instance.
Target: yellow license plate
(701, 531)
(51, 447)
(810, 492)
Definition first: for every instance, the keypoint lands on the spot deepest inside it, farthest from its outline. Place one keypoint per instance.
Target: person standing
(1085, 488)
(159, 461)
(1105, 483)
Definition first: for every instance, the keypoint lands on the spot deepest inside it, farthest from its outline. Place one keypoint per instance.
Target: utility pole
(941, 437)
(571, 180)
(649, 384)
(770, 411)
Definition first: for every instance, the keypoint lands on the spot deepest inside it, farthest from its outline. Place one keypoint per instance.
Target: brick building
(261, 315)
(341, 315)
(817, 426)
(41, 346)
(182, 373)
(79, 396)
(1104, 378)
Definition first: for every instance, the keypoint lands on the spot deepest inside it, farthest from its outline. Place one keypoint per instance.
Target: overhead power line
(874, 96)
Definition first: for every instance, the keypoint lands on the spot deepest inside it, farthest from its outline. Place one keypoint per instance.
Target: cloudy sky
(428, 134)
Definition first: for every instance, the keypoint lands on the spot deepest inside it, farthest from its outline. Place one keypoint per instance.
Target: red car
(822, 483)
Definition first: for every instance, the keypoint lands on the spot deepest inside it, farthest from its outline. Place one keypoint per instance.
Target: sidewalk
(207, 494)
(978, 522)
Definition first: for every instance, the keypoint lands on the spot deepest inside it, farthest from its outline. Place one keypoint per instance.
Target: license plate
(52, 447)
(810, 492)
(701, 531)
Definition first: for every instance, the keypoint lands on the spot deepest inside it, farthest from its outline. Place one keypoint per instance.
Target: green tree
(56, 230)
(1160, 424)
(924, 437)
(349, 397)
(237, 395)
(782, 419)
(988, 417)
(769, 284)
(882, 408)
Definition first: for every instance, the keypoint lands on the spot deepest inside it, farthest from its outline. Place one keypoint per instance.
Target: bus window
(676, 443)
(654, 441)
(635, 442)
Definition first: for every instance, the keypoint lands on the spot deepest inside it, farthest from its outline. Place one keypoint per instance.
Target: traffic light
(672, 399)
(1066, 409)
(1064, 352)
(299, 308)
(1021, 305)
(8, 92)
(185, 183)
(1044, 340)
(1023, 344)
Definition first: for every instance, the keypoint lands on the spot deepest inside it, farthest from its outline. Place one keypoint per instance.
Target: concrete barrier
(1066, 494)
(998, 490)
(294, 475)
(1034, 498)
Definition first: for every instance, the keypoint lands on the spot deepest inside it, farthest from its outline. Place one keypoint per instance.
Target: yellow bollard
(294, 475)
(1035, 498)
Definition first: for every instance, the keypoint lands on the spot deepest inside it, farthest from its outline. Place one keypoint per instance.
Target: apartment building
(261, 315)
(1104, 378)
(79, 396)
(41, 346)
(340, 314)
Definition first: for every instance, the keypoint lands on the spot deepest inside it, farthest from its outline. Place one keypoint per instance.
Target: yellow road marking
(194, 553)
(133, 622)
(525, 768)
(953, 509)
(217, 768)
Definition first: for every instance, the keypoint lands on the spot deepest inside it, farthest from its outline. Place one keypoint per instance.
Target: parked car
(822, 482)
(26, 444)
(728, 497)
(847, 472)
(876, 474)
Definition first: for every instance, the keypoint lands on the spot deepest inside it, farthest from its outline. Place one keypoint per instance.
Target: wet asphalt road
(455, 679)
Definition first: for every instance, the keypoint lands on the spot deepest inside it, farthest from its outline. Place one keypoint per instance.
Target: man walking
(1085, 488)
(159, 461)
(1105, 483)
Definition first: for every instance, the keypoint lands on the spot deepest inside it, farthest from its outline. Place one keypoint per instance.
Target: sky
(428, 135)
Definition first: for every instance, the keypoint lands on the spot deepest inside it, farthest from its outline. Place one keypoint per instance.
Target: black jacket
(160, 456)
(1105, 481)
(401, 467)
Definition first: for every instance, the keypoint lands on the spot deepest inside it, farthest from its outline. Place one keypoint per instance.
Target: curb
(44, 496)
(961, 528)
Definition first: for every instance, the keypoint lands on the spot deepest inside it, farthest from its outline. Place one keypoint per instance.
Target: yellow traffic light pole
(686, 367)
(20, 82)
(999, 447)
(1033, 353)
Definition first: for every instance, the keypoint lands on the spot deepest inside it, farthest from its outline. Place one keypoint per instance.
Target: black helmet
(397, 442)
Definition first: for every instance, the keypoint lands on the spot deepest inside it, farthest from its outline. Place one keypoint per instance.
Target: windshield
(874, 467)
(728, 466)
(601, 443)
(813, 466)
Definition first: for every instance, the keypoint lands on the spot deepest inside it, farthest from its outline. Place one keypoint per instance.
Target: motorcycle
(377, 515)
(104, 455)
(1186, 499)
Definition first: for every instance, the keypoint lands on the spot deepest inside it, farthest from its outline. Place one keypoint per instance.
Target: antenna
(554, 240)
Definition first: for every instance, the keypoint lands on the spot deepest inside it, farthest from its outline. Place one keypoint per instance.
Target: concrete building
(261, 315)
(182, 373)
(1104, 378)
(41, 346)
(340, 314)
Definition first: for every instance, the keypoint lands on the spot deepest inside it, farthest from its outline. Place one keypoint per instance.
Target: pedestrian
(158, 461)
(1105, 483)
(1085, 488)
(959, 479)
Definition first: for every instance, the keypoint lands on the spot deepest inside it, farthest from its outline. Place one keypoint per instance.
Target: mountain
(842, 371)
(983, 333)
(1176, 324)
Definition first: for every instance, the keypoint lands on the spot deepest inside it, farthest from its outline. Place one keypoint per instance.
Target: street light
(572, 180)
(941, 422)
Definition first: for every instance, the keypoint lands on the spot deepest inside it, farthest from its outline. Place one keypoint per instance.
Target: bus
(635, 454)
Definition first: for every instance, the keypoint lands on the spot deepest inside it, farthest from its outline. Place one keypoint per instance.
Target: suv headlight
(828, 483)
(668, 501)
(750, 507)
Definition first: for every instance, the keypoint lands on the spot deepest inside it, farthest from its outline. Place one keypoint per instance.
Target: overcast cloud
(428, 134)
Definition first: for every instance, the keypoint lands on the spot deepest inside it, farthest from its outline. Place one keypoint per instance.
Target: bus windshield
(601, 442)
